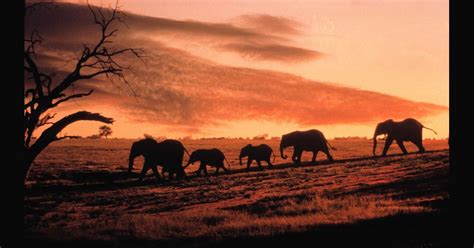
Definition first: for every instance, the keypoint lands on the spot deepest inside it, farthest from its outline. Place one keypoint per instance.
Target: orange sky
(399, 48)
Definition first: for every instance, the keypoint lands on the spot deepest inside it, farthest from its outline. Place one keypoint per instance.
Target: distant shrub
(261, 137)
(94, 136)
(351, 138)
(105, 131)
(75, 137)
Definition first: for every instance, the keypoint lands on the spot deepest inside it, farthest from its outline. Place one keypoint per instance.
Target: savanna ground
(79, 194)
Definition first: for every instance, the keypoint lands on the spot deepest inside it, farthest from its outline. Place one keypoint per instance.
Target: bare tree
(105, 131)
(96, 60)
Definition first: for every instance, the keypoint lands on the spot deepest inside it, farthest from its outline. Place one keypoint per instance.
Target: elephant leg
(145, 168)
(171, 173)
(198, 172)
(155, 172)
(259, 164)
(388, 142)
(182, 173)
(315, 154)
(205, 170)
(249, 161)
(419, 143)
(223, 167)
(217, 169)
(298, 154)
(201, 169)
(328, 155)
(402, 146)
(163, 171)
(294, 157)
(268, 162)
(330, 158)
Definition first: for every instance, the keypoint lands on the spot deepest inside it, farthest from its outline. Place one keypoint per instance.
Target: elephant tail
(227, 162)
(331, 146)
(186, 151)
(430, 129)
(184, 167)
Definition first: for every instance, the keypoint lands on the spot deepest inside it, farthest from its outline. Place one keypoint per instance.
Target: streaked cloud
(272, 52)
(272, 34)
(269, 23)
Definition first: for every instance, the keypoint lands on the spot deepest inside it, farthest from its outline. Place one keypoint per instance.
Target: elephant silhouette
(406, 130)
(168, 154)
(212, 157)
(258, 153)
(311, 140)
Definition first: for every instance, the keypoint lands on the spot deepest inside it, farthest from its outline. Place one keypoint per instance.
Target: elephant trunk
(240, 159)
(375, 144)
(131, 158)
(281, 153)
(189, 162)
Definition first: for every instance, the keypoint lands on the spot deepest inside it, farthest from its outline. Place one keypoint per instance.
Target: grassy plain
(79, 190)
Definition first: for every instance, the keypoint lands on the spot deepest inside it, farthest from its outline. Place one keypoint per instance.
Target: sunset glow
(246, 68)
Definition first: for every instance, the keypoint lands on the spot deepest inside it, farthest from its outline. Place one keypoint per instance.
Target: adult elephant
(311, 140)
(400, 131)
(168, 153)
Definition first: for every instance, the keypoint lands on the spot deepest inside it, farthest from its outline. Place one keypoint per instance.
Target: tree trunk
(27, 162)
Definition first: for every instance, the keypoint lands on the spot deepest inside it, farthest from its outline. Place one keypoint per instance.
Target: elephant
(168, 153)
(406, 130)
(212, 157)
(258, 153)
(310, 140)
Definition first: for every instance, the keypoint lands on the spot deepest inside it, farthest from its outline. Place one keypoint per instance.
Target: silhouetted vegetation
(43, 93)
(351, 138)
(261, 137)
(105, 131)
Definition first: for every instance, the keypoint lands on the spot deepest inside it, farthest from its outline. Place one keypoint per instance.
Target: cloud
(272, 24)
(272, 52)
(181, 91)
(185, 92)
(272, 34)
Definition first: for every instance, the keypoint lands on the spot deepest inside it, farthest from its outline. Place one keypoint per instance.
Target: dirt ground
(396, 201)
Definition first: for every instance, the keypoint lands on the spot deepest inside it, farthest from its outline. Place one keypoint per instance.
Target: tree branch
(33, 6)
(50, 134)
(99, 58)
(71, 97)
(45, 120)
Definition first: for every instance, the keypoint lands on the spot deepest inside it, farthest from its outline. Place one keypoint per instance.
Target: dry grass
(108, 206)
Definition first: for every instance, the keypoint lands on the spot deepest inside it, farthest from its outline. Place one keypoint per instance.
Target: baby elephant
(212, 157)
(257, 153)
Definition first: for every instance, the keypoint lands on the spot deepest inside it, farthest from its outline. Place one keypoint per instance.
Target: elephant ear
(389, 125)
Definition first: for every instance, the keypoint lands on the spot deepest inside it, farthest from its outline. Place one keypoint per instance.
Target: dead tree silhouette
(94, 61)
